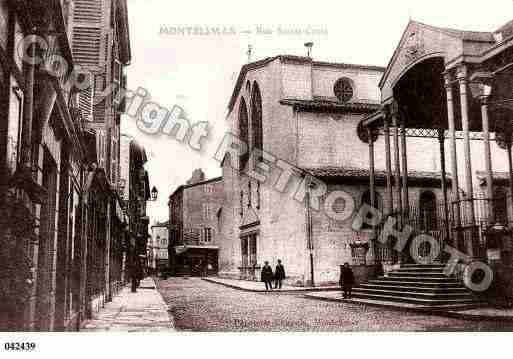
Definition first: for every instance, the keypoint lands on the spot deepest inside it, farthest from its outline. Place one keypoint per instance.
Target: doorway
(249, 255)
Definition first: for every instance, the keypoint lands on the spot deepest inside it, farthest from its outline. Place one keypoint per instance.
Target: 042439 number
(19, 346)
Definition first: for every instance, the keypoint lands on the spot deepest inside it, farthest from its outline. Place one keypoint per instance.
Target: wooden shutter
(85, 97)
(88, 11)
(86, 45)
(88, 41)
(90, 44)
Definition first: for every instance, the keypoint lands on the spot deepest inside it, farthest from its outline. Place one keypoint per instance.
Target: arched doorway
(428, 216)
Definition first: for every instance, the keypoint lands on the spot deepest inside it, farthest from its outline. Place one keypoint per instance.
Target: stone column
(487, 156)
(446, 226)
(397, 171)
(455, 203)
(404, 160)
(397, 163)
(469, 208)
(372, 189)
(389, 201)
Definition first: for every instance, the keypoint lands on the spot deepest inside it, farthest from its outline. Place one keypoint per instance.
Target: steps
(417, 286)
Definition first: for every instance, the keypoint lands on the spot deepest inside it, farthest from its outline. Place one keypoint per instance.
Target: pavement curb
(288, 291)
(144, 311)
(168, 307)
(448, 314)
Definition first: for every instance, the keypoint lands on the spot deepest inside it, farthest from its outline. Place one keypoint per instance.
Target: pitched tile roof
(331, 105)
(364, 174)
(289, 58)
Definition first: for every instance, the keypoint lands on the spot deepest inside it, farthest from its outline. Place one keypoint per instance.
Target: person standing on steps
(346, 280)
(267, 276)
(279, 275)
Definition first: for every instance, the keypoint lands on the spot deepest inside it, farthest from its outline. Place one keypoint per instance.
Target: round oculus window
(343, 89)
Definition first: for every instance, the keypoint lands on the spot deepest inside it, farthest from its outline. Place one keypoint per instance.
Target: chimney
(249, 52)
(309, 46)
(197, 176)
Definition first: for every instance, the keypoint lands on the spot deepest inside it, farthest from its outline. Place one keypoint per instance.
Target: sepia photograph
(292, 168)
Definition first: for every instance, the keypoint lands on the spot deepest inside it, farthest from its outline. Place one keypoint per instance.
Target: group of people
(268, 276)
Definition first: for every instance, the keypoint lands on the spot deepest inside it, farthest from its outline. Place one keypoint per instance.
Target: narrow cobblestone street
(197, 305)
(133, 312)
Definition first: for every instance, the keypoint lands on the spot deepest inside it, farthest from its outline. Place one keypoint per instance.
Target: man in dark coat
(346, 280)
(279, 275)
(267, 276)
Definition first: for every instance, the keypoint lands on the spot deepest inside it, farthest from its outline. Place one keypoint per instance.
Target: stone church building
(299, 118)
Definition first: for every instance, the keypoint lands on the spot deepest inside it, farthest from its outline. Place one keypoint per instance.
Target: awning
(180, 249)
(183, 249)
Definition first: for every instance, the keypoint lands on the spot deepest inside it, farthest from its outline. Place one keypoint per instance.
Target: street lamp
(154, 193)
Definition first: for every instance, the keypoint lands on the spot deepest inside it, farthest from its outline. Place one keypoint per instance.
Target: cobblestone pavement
(144, 310)
(197, 305)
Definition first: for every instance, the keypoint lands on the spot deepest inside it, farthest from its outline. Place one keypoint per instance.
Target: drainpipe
(309, 186)
(28, 109)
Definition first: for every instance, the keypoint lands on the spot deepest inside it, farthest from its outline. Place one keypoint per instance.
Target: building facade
(294, 121)
(101, 49)
(194, 225)
(139, 195)
(158, 259)
(49, 197)
(462, 83)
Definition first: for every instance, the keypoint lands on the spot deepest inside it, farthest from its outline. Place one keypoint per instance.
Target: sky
(198, 73)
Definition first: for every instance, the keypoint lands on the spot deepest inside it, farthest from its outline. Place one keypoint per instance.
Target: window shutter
(88, 11)
(86, 45)
(89, 37)
(90, 43)
(99, 108)
(85, 97)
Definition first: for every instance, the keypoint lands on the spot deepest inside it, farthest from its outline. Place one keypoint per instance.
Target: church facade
(294, 123)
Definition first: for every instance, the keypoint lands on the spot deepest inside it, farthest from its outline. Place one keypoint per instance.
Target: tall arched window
(428, 213)
(256, 119)
(243, 133)
(366, 199)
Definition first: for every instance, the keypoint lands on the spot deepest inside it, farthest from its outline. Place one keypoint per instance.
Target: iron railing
(464, 225)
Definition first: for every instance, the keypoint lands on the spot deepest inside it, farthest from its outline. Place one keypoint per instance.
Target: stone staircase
(416, 286)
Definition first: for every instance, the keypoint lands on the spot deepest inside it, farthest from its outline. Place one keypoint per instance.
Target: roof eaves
(242, 74)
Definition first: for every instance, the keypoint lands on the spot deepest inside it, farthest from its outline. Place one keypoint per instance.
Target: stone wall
(305, 140)
(202, 202)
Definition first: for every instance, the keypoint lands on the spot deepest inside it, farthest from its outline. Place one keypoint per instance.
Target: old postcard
(254, 167)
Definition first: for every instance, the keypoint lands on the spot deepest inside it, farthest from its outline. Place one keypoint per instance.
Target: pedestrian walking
(346, 280)
(279, 275)
(135, 274)
(267, 276)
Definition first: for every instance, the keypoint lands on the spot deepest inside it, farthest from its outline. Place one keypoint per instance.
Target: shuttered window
(85, 95)
(88, 11)
(87, 32)
(86, 45)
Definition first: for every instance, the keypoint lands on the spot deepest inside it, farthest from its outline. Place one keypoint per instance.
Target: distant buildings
(194, 211)
(138, 195)
(158, 259)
